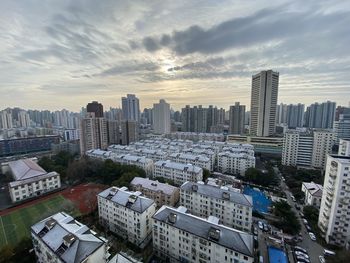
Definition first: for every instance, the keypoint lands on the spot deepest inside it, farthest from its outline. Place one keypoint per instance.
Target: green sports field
(16, 225)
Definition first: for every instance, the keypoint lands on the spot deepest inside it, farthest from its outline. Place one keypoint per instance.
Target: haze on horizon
(64, 54)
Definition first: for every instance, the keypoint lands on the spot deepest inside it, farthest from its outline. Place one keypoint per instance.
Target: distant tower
(131, 108)
(96, 108)
(263, 103)
(161, 117)
(236, 118)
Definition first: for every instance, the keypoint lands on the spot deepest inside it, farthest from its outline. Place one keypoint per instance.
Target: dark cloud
(268, 25)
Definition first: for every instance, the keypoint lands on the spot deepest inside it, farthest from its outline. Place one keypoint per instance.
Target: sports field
(16, 224)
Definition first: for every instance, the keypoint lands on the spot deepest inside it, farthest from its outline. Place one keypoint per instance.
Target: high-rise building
(130, 131)
(320, 115)
(186, 118)
(263, 103)
(334, 217)
(131, 108)
(93, 133)
(23, 119)
(96, 108)
(281, 114)
(295, 115)
(342, 127)
(113, 129)
(344, 147)
(236, 118)
(6, 120)
(307, 149)
(161, 117)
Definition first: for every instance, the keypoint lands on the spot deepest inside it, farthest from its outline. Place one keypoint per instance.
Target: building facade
(264, 103)
(232, 208)
(313, 193)
(181, 237)
(236, 162)
(127, 214)
(162, 194)
(161, 117)
(236, 119)
(131, 108)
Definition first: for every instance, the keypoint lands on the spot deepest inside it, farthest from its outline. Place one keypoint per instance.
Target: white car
(261, 225)
(312, 236)
(322, 260)
(299, 253)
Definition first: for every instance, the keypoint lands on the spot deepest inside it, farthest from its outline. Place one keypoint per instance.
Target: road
(314, 249)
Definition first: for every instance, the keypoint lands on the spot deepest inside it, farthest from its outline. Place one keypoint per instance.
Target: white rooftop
(154, 185)
(25, 168)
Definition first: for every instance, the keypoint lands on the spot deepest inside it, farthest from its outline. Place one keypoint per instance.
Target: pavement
(314, 249)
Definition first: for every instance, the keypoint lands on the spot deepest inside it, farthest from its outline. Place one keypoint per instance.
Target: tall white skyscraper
(131, 107)
(23, 118)
(5, 120)
(263, 103)
(161, 117)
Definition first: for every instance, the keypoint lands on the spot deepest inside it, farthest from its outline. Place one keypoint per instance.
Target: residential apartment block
(177, 172)
(235, 162)
(182, 237)
(313, 193)
(198, 160)
(127, 214)
(60, 238)
(334, 217)
(233, 209)
(30, 180)
(162, 194)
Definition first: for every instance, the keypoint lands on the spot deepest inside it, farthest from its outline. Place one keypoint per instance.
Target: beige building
(162, 194)
(127, 214)
(93, 133)
(313, 193)
(30, 180)
(181, 237)
(61, 239)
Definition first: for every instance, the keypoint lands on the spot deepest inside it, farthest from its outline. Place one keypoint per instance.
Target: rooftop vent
(69, 239)
(172, 218)
(132, 199)
(153, 184)
(226, 195)
(214, 234)
(50, 223)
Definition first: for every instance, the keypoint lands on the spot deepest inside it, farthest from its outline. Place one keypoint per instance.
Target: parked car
(301, 214)
(261, 226)
(302, 259)
(308, 228)
(299, 253)
(266, 227)
(312, 236)
(297, 207)
(300, 249)
(305, 221)
(255, 231)
(322, 260)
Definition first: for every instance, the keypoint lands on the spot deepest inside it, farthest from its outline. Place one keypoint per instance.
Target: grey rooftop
(178, 166)
(154, 185)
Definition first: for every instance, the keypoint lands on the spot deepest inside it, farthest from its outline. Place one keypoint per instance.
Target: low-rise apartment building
(198, 160)
(232, 208)
(181, 237)
(127, 214)
(162, 194)
(30, 180)
(313, 193)
(177, 172)
(60, 238)
(235, 162)
(140, 161)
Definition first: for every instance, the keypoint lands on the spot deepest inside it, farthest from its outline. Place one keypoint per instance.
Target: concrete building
(30, 180)
(295, 115)
(344, 147)
(198, 160)
(131, 108)
(281, 114)
(313, 193)
(93, 133)
(232, 208)
(235, 162)
(236, 119)
(59, 238)
(113, 131)
(6, 121)
(320, 115)
(334, 217)
(96, 108)
(71, 134)
(161, 117)
(263, 103)
(342, 127)
(23, 119)
(127, 214)
(177, 172)
(162, 194)
(130, 131)
(182, 237)
(307, 149)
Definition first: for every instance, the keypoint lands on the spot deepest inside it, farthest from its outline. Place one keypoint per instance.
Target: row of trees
(256, 176)
(288, 222)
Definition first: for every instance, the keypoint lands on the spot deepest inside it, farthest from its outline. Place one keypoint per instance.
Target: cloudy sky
(65, 53)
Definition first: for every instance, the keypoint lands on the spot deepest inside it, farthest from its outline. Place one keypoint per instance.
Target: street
(314, 249)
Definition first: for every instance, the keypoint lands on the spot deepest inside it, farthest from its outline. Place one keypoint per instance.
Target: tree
(6, 253)
(311, 213)
(287, 218)
(206, 174)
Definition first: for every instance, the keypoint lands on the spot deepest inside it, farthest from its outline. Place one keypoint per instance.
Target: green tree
(206, 174)
(288, 221)
(6, 252)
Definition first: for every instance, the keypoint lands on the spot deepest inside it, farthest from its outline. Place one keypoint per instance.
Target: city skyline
(62, 54)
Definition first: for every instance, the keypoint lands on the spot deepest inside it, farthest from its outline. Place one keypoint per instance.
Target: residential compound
(313, 193)
(30, 179)
(127, 214)
(60, 238)
(162, 194)
(177, 172)
(307, 149)
(171, 158)
(182, 237)
(232, 208)
(334, 217)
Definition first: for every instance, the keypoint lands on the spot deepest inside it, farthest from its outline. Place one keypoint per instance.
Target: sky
(65, 53)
